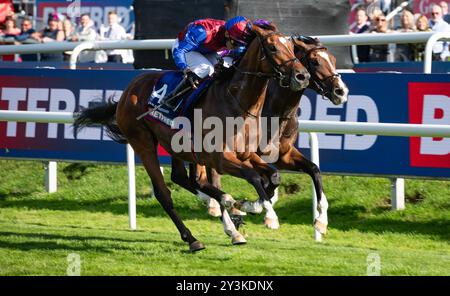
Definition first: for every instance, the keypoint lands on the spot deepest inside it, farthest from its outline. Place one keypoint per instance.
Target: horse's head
(276, 54)
(321, 64)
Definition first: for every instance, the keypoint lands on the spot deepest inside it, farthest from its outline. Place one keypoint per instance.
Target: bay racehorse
(269, 55)
(283, 103)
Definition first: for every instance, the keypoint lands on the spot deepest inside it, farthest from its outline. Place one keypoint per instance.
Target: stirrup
(167, 101)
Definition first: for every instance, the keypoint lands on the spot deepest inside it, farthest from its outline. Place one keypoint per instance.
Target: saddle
(167, 101)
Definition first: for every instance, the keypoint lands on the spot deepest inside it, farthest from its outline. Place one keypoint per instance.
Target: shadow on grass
(114, 205)
(354, 217)
(294, 211)
(75, 242)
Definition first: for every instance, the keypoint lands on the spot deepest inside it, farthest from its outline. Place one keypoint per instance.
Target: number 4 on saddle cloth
(181, 100)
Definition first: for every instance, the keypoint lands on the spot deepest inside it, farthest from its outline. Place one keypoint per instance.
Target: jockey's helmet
(238, 29)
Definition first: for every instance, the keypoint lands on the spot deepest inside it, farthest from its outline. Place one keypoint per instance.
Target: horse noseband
(277, 68)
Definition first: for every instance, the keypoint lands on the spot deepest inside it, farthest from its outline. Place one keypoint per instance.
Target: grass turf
(88, 216)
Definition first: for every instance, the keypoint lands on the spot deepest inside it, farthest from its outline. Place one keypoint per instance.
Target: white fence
(382, 129)
(329, 40)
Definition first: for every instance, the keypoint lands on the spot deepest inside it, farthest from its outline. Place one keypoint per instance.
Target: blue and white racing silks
(203, 36)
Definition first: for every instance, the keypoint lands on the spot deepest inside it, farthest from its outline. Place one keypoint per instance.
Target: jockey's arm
(195, 36)
(235, 53)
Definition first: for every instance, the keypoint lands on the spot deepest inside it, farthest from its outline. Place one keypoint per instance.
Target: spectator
(26, 30)
(114, 31)
(26, 36)
(445, 14)
(419, 48)
(51, 33)
(362, 25)
(422, 24)
(85, 32)
(6, 10)
(10, 31)
(437, 24)
(407, 22)
(405, 52)
(10, 28)
(68, 30)
(379, 53)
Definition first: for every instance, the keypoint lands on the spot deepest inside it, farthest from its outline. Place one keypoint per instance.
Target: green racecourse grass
(88, 216)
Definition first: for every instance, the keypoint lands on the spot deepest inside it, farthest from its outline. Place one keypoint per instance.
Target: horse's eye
(272, 48)
(315, 62)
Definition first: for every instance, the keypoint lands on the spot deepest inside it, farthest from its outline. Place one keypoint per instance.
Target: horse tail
(103, 113)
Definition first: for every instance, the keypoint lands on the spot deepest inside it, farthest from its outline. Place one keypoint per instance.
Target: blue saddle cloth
(164, 87)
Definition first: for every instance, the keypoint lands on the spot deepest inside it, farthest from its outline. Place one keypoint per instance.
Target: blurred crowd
(62, 28)
(372, 18)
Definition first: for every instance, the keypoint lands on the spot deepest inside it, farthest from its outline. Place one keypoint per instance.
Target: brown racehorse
(269, 55)
(325, 81)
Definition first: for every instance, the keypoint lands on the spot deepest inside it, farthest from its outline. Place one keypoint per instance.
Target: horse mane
(223, 73)
(308, 39)
(265, 24)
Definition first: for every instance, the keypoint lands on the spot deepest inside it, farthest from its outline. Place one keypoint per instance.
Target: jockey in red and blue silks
(198, 46)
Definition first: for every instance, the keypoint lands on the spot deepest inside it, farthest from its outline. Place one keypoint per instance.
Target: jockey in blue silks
(200, 45)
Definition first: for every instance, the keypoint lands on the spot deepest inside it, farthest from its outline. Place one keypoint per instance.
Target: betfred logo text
(429, 103)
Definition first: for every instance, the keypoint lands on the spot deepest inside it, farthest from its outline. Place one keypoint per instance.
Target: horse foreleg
(211, 193)
(180, 176)
(214, 178)
(198, 184)
(271, 180)
(293, 160)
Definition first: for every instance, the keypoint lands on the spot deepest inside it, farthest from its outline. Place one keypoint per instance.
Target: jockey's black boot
(190, 81)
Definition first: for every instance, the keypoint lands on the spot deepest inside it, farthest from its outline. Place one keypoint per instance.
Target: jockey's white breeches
(202, 64)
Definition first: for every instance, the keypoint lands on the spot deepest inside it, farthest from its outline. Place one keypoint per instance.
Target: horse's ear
(264, 24)
(300, 44)
(258, 31)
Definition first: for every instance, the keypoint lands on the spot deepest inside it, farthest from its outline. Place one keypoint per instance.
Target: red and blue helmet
(239, 29)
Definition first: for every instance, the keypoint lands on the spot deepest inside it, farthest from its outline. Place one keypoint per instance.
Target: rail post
(51, 181)
(314, 144)
(131, 187)
(427, 64)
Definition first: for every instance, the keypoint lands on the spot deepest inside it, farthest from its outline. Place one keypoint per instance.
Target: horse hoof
(238, 240)
(252, 207)
(320, 227)
(236, 212)
(215, 212)
(271, 223)
(196, 246)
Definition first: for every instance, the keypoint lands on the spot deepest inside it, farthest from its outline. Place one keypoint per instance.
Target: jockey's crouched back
(202, 43)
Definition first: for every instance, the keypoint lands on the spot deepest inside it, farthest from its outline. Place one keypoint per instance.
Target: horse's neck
(249, 90)
(281, 102)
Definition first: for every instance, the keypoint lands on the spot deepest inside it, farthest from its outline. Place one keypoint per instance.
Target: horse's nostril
(300, 77)
(339, 91)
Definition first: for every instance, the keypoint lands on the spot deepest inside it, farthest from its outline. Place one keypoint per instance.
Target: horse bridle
(277, 68)
(319, 84)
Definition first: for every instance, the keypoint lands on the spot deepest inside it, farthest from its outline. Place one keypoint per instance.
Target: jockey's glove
(191, 77)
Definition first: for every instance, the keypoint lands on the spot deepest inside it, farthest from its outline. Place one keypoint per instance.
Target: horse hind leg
(321, 222)
(295, 161)
(146, 149)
